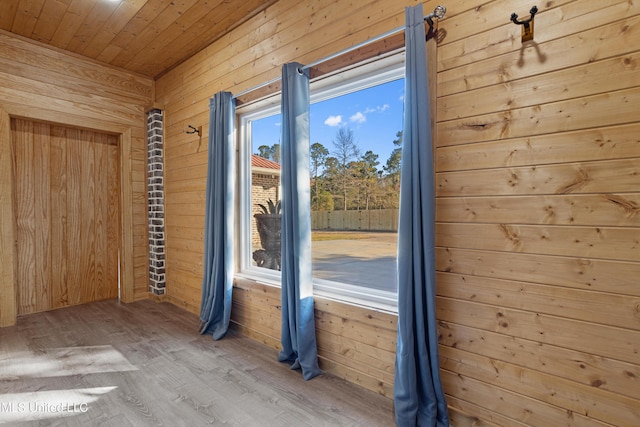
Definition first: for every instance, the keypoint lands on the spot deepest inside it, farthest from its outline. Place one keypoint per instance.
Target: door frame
(8, 257)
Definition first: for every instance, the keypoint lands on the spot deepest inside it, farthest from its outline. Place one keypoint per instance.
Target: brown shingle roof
(261, 162)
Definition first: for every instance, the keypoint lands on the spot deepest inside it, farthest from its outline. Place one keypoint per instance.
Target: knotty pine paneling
(247, 56)
(598, 110)
(509, 62)
(355, 343)
(64, 226)
(579, 273)
(612, 209)
(583, 399)
(583, 242)
(599, 307)
(144, 36)
(52, 86)
(609, 374)
(537, 181)
(586, 177)
(504, 407)
(603, 76)
(7, 231)
(256, 51)
(466, 45)
(601, 143)
(538, 236)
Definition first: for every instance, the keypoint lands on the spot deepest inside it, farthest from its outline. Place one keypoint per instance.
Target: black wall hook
(527, 24)
(192, 130)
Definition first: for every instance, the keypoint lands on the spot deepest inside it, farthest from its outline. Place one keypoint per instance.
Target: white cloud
(333, 121)
(377, 109)
(358, 117)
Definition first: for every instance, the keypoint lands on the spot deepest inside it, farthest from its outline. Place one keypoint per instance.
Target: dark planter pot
(270, 230)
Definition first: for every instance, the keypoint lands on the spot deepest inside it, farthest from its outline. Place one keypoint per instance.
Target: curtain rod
(327, 58)
(354, 47)
(438, 13)
(260, 86)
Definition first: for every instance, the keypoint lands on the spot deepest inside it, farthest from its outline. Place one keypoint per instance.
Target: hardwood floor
(112, 364)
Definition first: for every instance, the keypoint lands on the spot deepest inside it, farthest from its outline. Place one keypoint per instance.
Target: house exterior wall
(264, 187)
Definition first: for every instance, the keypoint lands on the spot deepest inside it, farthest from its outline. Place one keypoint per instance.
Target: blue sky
(374, 114)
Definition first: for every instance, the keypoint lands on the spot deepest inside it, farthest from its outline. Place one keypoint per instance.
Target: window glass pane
(265, 192)
(355, 138)
(355, 170)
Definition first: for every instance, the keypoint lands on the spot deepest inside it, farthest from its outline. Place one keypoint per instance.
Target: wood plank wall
(8, 307)
(538, 193)
(49, 85)
(67, 215)
(538, 232)
(248, 56)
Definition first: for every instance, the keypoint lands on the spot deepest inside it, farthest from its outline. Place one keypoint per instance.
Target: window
(355, 130)
(260, 192)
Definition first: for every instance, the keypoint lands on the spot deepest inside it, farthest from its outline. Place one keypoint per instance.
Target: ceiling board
(144, 36)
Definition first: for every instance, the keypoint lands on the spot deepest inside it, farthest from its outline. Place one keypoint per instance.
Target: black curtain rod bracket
(437, 13)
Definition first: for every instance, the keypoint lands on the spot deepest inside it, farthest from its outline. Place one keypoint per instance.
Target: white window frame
(259, 110)
(362, 76)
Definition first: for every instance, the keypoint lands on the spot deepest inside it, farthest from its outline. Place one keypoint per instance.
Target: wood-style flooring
(113, 364)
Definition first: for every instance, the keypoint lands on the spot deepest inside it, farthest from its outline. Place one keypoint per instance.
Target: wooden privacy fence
(376, 220)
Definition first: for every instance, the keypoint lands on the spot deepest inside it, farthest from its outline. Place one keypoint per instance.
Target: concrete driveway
(368, 260)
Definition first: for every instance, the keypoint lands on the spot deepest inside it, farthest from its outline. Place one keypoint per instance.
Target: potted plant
(269, 225)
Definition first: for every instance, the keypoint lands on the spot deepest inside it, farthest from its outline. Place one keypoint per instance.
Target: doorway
(67, 215)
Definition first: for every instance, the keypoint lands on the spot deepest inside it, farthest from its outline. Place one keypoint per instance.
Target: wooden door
(66, 201)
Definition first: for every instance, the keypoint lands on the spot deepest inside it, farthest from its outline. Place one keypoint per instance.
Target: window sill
(248, 282)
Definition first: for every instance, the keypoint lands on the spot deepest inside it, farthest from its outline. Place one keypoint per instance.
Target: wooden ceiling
(145, 36)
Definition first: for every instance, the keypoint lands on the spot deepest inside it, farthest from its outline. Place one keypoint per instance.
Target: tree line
(344, 178)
